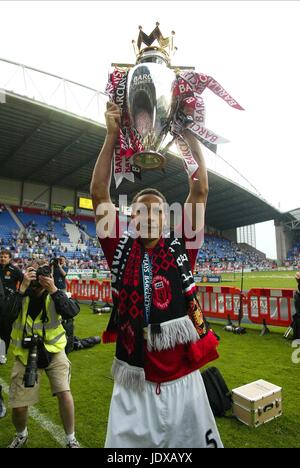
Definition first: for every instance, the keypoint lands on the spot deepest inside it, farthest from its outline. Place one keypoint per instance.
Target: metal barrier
(275, 306)
(90, 289)
(220, 301)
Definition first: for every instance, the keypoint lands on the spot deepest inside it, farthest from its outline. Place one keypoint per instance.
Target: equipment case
(256, 403)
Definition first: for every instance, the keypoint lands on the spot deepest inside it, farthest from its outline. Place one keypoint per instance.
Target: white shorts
(178, 417)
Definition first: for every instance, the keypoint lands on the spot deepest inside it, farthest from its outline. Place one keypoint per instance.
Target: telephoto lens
(31, 370)
(2, 352)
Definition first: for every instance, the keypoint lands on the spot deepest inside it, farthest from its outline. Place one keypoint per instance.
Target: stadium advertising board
(207, 279)
(78, 273)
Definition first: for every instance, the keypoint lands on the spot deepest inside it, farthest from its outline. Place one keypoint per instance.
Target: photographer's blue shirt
(59, 279)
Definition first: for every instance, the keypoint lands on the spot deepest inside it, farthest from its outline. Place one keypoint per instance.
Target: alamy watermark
(2, 96)
(296, 353)
(152, 221)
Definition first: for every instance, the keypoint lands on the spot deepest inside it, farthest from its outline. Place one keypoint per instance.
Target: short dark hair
(6, 252)
(149, 191)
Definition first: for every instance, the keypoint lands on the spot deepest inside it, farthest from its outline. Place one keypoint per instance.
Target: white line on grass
(55, 431)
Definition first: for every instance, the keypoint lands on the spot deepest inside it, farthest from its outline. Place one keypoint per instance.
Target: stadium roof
(50, 134)
(295, 213)
(292, 219)
(47, 145)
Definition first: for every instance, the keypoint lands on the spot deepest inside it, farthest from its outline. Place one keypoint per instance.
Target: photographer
(296, 316)
(2, 334)
(60, 271)
(10, 275)
(2, 347)
(38, 342)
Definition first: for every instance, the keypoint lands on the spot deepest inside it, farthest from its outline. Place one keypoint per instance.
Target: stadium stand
(293, 255)
(54, 234)
(7, 226)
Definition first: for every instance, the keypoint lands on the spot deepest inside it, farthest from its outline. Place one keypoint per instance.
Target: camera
(54, 262)
(44, 270)
(31, 375)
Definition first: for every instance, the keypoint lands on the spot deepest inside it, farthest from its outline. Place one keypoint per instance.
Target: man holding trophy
(162, 338)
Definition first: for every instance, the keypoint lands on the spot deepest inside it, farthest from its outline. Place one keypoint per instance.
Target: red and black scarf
(175, 314)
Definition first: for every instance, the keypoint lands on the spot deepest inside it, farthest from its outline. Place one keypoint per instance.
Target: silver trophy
(151, 107)
(157, 103)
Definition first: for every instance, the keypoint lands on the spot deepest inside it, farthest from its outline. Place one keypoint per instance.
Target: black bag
(296, 318)
(43, 356)
(296, 326)
(219, 395)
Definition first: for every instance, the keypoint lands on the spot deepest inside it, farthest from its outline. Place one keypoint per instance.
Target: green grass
(242, 359)
(258, 279)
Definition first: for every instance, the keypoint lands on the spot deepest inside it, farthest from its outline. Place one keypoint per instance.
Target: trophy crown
(157, 46)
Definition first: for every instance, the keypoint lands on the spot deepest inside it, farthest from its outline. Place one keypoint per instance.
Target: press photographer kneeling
(38, 342)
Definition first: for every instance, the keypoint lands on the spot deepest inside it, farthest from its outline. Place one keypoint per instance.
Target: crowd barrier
(259, 305)
(90, 290)
(220, 301)
(274, 306)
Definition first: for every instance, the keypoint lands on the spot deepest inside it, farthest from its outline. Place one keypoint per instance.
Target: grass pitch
(243, 359)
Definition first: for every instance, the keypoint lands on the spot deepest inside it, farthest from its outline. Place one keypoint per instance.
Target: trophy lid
(160, 53)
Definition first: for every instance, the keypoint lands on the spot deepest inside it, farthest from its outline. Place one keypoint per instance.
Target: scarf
(174, 316)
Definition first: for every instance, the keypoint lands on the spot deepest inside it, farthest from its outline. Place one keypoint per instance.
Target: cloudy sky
(250, 48)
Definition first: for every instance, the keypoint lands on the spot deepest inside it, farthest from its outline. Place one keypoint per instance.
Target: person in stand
(159, 399)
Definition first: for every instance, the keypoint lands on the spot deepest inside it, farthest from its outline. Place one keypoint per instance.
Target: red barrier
(106, 292)
(90, 289)
(275, 306)
(220, 301)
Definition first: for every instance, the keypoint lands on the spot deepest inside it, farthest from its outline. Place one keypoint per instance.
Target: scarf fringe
(173, 332)
(131, 377)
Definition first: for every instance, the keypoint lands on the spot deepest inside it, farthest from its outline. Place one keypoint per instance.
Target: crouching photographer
(38, 342)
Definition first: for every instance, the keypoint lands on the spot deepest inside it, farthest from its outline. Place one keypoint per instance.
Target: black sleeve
(10, 309)
(297, 302)
(67, 308)
(18, 274)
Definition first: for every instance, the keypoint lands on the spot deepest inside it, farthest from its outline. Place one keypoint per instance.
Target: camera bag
(219, 395)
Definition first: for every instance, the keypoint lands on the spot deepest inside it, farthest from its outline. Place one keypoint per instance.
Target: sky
(250, 48)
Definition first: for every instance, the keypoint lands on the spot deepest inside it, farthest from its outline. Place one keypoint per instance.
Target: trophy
(154, 98)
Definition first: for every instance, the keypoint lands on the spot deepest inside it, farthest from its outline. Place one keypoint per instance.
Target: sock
(70, 437)
(23, 433)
